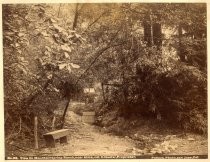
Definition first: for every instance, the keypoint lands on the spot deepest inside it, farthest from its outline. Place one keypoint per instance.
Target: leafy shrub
(165, 88)
(37, 66)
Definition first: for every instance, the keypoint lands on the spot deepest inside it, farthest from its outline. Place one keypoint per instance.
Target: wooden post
(53, 122)
(102, 86)
(35, 132)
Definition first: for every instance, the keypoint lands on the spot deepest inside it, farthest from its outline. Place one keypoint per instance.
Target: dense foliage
(38, 67)
(127, 48)
(164, 76)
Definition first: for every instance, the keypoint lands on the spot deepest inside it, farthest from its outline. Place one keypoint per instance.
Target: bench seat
(58, 134)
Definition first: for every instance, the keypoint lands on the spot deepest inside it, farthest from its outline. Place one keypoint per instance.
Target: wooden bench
(58, 134)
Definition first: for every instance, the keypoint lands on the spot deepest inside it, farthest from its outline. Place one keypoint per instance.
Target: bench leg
(50, 142)
(63, 139)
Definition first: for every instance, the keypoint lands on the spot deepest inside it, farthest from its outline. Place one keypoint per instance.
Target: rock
(167, 137)
(170, 137)
(134, 151)
(145, 151)
(203, 143)
(126, 137)
(136, 135)
(153, 151)
(166, 143)
(182, 135)
(159, 151)
(191, 139)
(155, 138)
(140, 151)
(129, 150)
(166, 150)
(165, 147)
(173, 136)
(144, 137)
(172, 147)
(156, 151)
(157, 145)
(149, 153)
(12, 142)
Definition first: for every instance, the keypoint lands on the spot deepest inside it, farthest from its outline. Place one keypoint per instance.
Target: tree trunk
(147, 30)
(180, 50)
(151, 30)
(75, 17)
(35, 132)
(157, 33)
(64, 113)
(59, 10)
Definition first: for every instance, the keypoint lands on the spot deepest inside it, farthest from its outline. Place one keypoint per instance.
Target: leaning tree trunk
(65, 111)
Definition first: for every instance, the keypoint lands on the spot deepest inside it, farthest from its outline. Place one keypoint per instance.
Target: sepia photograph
(105, 81)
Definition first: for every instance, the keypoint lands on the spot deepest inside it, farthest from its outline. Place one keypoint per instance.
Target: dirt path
(90, 140)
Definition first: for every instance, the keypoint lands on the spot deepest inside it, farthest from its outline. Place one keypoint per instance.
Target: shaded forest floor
(91, 140)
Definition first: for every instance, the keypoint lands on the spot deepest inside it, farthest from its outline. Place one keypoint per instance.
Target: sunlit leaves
(66, 55)
(57, 28)
(74, 66)
(65, 48)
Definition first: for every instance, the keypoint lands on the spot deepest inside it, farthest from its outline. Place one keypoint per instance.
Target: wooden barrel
(88, 117)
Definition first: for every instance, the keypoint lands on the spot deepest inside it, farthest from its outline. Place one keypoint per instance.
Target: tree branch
(95, 21)
(98, 54)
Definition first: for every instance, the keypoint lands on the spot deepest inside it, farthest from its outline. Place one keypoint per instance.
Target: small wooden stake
(102, 85)
(53, 123)
(35, 132)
